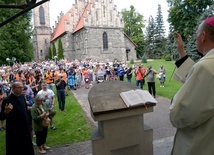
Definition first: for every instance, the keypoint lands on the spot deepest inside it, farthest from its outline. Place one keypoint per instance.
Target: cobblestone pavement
(158, 120)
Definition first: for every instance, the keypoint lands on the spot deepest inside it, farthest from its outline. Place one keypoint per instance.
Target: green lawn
(74, 126)
(171, 86)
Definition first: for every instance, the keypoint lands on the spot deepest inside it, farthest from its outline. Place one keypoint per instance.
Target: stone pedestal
(121, 129)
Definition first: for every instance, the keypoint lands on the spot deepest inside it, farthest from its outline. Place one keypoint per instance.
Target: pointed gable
(60, 29)
(85, 14)
(80, 24)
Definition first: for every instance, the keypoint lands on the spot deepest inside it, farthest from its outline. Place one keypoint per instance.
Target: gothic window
(105, 41)
(42, 15)
(41, 54)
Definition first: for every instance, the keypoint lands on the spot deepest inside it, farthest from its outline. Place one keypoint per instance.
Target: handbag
(45, 121)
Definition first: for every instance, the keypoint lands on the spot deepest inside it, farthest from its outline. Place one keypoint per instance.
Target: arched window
(41, 53)
(42, 15)
(105, 41)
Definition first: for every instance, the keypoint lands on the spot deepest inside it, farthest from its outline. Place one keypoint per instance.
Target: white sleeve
(182, 72)
(193, 103)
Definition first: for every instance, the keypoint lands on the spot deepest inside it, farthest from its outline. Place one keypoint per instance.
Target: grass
(73, 125)
(171, 86)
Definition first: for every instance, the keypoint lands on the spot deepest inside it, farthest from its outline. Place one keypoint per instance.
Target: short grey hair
(39, 97)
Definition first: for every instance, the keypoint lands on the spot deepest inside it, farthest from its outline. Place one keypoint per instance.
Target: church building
(91, 29)
(42, 31)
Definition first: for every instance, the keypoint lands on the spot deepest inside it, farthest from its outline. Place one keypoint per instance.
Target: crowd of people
(27, 92)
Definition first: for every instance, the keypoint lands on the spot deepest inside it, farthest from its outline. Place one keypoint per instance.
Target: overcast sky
(144, 7)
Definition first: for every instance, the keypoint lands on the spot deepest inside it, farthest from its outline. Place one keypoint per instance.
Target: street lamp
(13, 59)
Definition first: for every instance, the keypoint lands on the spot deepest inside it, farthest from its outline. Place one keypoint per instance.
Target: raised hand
(180, 45)
(8, 108)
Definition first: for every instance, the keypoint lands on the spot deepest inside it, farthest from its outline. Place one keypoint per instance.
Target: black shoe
(53, 128)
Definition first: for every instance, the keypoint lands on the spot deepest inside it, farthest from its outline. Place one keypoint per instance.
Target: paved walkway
(158, 120)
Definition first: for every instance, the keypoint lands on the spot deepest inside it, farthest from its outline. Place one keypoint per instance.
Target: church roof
(80, 24)
(61, 27)
(130, 39)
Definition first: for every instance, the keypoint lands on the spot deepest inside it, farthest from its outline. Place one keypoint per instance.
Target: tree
(150, 33)
(60, 50)
(159, 40)
(133, 25)
(160, 28)
(15, 37)
(191, 45)
(54, 49)
(50, 54)
(171, 48)
(183, 17)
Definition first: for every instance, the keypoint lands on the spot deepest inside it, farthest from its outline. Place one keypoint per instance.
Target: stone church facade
(92, 29)
(42, 31)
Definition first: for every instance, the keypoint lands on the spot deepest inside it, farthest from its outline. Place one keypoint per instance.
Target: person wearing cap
(39, 111)
(192, 108)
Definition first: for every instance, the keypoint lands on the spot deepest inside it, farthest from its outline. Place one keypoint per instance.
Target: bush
(144, 59)
(168, 57)
(132, 61)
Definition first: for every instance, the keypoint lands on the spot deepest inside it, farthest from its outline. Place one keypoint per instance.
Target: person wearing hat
(192, 108)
